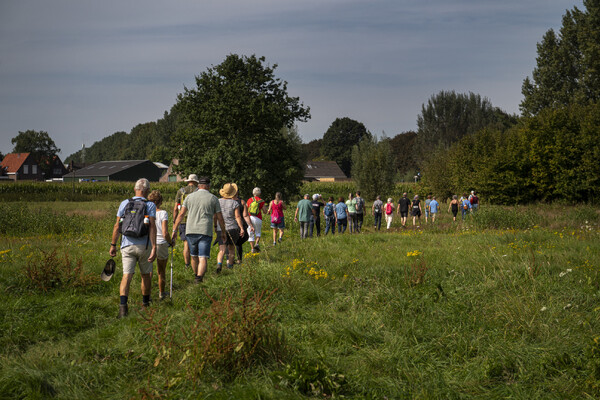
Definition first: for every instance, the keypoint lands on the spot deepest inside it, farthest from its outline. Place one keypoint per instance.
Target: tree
(568, 64)
(312, 150)
(449, 116)
(39, 144)
(338, 141)
(403, 149)
(373, 166)
(237, 125)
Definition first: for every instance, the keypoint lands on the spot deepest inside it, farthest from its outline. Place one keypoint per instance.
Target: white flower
(543, 308)
(569, 270)
(562, 274)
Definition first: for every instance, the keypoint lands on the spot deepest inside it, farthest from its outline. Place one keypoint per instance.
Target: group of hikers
(145, 236)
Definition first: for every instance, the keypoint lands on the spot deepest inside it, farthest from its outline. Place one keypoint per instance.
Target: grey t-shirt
(201, 206)
(228, 207)
(378, 206)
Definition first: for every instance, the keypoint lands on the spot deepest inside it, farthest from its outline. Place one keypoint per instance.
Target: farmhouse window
(26, 169)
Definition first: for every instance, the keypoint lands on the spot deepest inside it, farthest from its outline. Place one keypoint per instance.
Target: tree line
(238, 123)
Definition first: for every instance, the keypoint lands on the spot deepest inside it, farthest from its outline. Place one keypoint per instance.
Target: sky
(82, 70)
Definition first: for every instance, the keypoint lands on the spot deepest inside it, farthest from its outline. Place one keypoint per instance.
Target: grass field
(503, 305)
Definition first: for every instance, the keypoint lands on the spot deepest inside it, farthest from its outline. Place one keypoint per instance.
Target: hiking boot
(256, 249)
(219, 268)
(229, 266)
(279, 240)
(198, 279)
(123, 311)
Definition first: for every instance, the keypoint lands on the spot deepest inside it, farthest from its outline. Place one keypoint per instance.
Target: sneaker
(123, 311)
(187, 266)
(279, 240)
(219, 268)
(198, 279)
(229, 266)
(274, 243)
(256, 249)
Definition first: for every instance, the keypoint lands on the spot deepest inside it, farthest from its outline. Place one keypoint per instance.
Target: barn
(124, 170)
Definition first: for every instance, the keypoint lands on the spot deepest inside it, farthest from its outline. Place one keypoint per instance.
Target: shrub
(228, 337)
(51, 271)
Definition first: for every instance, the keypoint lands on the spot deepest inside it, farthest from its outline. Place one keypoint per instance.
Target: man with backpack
(329, 214)
(377, 211)
(136, 222)
(256, 208)
(191, 187)
(474, 200)
(359, 209)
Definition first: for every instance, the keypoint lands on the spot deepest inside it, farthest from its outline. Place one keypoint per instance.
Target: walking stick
(171, 283)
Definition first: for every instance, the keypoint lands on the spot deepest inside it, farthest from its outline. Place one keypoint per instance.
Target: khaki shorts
(135, 254)
(162, 251)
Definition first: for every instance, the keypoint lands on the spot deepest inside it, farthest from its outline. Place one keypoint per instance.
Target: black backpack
(359, 205)
(132, 223)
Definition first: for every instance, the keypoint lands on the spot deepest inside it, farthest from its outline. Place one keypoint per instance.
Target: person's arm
(177, 222)
(335, 213)
(152, 239)
(113, 241)
(270, 210)
(296, 215)
(238, 219)
(264, 208)
(246, 217)
(166, 234)
(283, 205)
(175, 208)
(221, 221)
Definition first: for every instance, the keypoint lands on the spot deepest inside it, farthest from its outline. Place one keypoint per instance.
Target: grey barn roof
(323, 169)
(119, 170)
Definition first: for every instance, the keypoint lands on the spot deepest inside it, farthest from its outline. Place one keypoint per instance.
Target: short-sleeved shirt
(304, 210)
(182, 193)
(340, 210)
(316, 207)
(261, 204)
(404, 203)
(201, 207)
(467, 203)
(350, 204)
(150, 212)
(355, 202)
(433, 206)
(228, 207)
(378, 205)
(161, 215)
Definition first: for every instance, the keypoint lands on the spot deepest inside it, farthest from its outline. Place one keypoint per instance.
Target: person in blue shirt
(136, 250)
(341, 215)
(465, 205)
(433, 209)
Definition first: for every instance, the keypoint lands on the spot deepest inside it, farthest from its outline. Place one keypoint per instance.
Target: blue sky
(82, 70)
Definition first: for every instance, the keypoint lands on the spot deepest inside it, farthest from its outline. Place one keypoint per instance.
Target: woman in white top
(163, 241)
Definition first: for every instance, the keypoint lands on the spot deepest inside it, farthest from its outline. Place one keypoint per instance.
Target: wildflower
(415, 253)
(543, 308)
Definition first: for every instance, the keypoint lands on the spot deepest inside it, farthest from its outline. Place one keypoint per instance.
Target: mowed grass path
(451, 311)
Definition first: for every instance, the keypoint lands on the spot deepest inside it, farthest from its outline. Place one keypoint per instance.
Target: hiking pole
(171, 283)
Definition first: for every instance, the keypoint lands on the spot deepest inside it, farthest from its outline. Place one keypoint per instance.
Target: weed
(311, 379)
(51, 271)
(414, 274)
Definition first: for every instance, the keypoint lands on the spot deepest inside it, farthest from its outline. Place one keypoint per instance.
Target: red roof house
(21, 166)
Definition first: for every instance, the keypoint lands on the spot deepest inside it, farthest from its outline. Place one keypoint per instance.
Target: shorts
(162, 251)
(416, 213)
(427, 213)
(182, 231)
(403, 214)
(136, 254)
(199, 245)
(257, 223)
(280, 225)
(231, 238)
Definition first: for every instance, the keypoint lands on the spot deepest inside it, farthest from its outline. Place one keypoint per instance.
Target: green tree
(568, 64)
(237, 125)
(403, 150)
(312, 150)
(449, 116)
(373, 166)
(39, 144)
(341, 136)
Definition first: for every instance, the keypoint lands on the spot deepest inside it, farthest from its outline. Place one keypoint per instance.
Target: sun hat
(108, 271)
(229, 190)
(192, 178)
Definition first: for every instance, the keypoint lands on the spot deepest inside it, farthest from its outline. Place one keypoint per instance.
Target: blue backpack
(328, 210)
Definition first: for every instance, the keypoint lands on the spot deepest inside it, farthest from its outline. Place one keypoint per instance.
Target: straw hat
(229, 190)
(192, 178)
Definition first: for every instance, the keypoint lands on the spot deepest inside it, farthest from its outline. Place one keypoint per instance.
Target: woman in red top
(276, 208)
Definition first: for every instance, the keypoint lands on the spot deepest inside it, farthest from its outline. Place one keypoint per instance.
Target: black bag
(132, 224)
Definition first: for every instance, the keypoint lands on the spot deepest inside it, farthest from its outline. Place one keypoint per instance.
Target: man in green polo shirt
(303, 213)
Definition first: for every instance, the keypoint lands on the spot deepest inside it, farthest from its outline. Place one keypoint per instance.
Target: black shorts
(403, 214)
(230, 238)
(416, 213)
